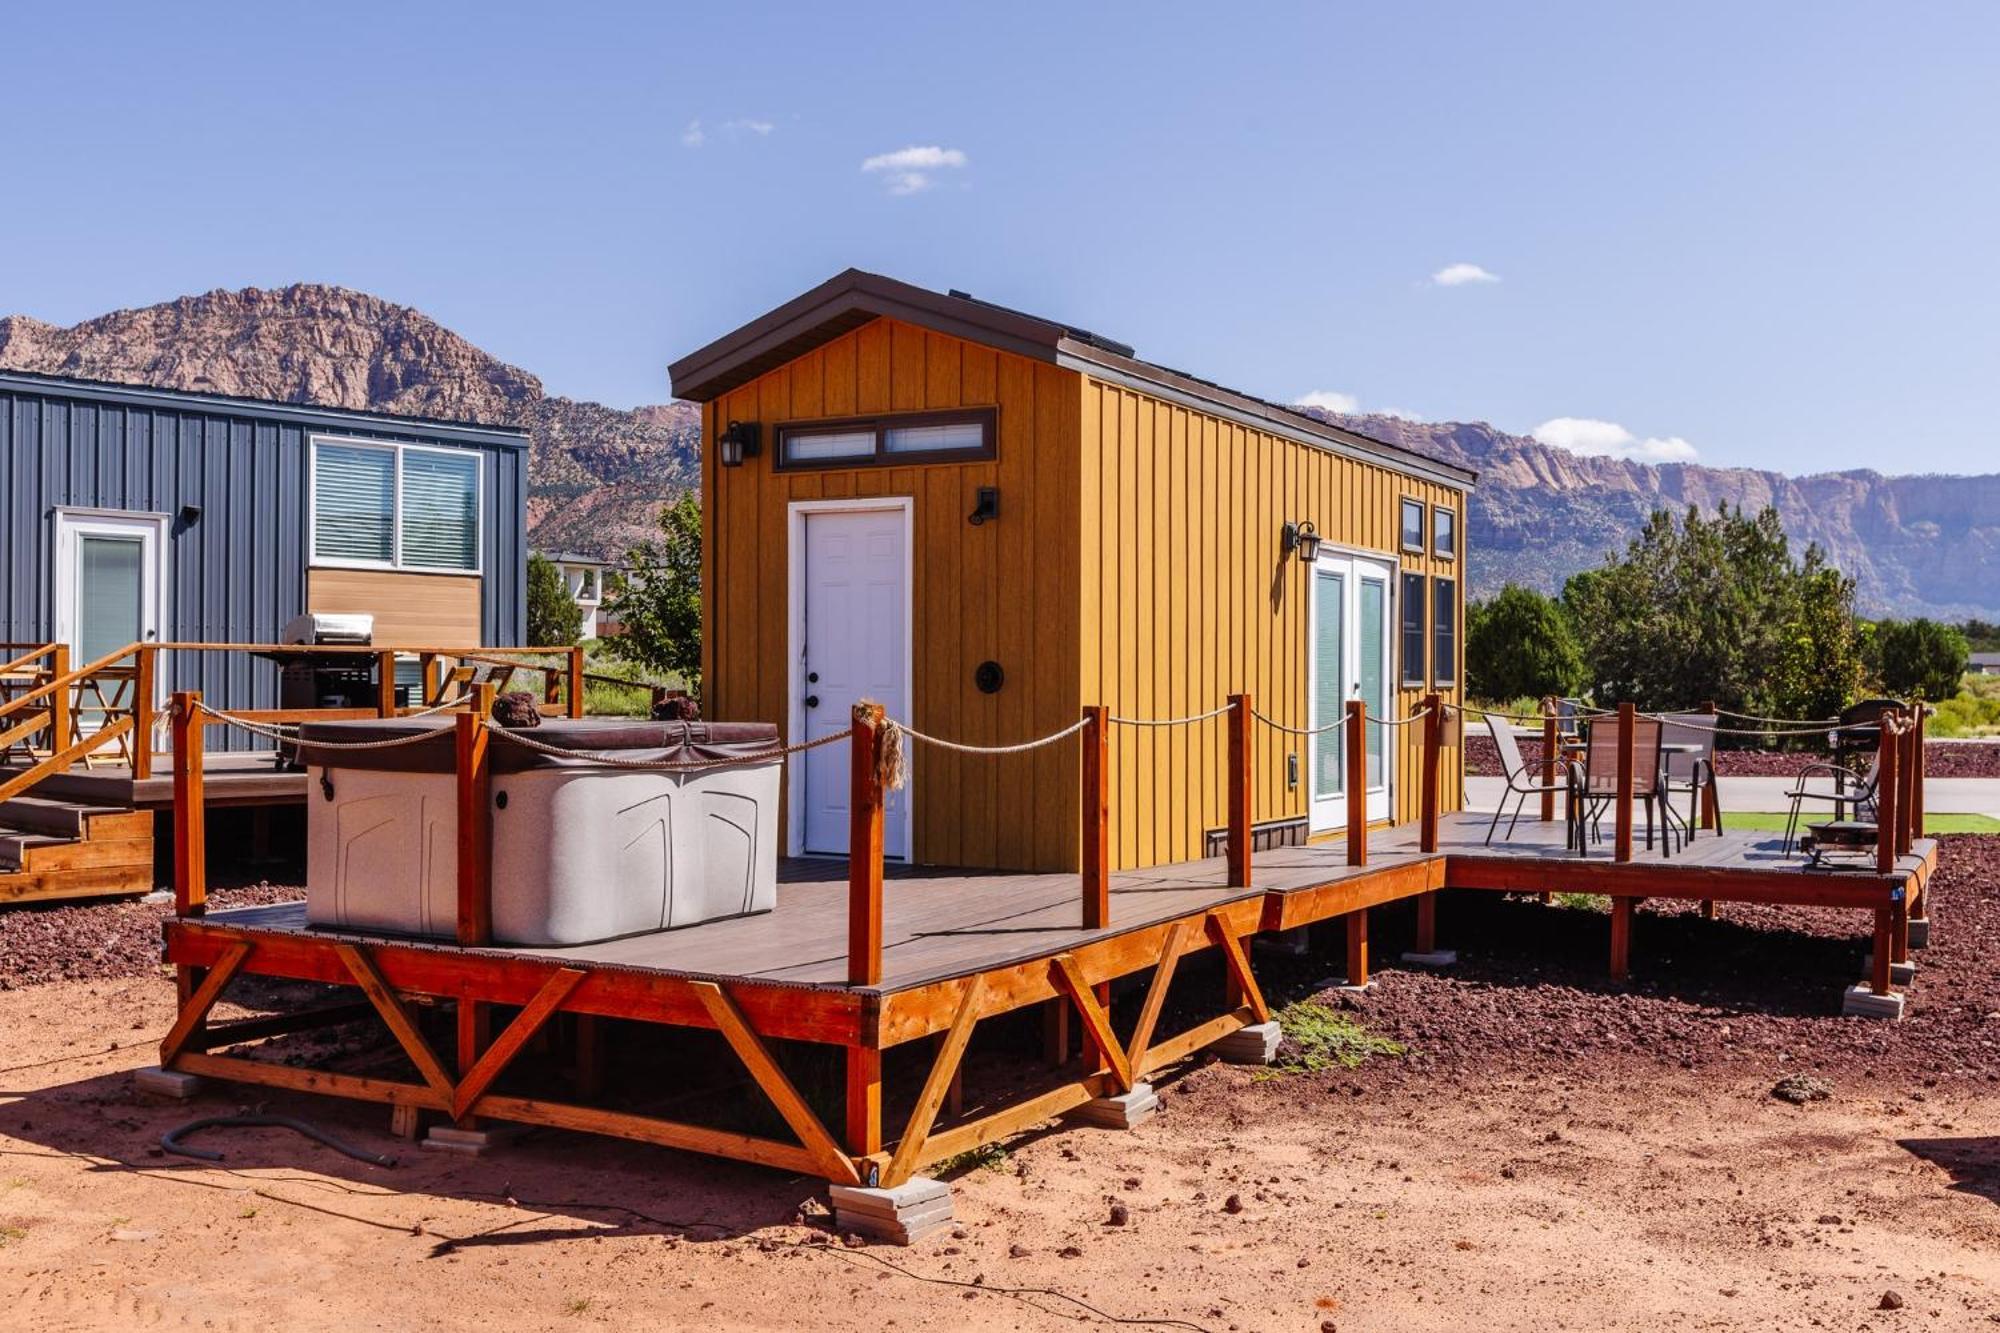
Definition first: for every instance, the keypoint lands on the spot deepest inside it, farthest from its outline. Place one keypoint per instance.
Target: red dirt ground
(1553, 1152)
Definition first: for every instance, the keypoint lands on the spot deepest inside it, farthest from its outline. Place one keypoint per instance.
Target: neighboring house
(986, 520)
(584, 576)
(1984, 664)
(131, 513)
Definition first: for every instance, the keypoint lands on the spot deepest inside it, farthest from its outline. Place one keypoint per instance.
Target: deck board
(945, 923)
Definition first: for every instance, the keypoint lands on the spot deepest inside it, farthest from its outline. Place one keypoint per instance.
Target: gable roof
(853, 298)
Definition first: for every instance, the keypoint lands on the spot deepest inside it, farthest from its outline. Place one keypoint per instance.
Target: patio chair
(1599, 779)
(1849, 785)
(1692, 773)
(1521, 784)
(1853, 739)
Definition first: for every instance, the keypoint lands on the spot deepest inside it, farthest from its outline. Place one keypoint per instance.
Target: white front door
(1348, 652)
(850, 642)
(110, 588)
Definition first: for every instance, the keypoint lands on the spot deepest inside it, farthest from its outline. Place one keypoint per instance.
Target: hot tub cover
(627, 738)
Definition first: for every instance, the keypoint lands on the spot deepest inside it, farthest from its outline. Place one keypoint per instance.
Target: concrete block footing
(1344, 985)
(1862, 1002)
(1900, 974)
(904, 1214)
(1253, 1044)
(1127, 1110)
(1436, 958)
(159, 1082)
(1920, 931)
(1293, 943)
(469, 1142)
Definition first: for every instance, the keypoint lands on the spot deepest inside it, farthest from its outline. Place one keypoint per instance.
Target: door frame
(72, 521)
(1351, 560)
(795, 624)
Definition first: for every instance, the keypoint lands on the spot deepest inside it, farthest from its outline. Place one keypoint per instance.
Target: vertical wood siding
(1187, 598)
(1005, 591)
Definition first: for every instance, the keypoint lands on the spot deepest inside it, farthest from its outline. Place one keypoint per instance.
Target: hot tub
(581, 850)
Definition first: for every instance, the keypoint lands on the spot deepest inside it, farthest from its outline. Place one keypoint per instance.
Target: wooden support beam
(1238, 963)
(475, 835)
(864, 1100)
(1551, 742)
(60, 727)
(1899, 929)
(385, 683)
(474, 1081)
(1357, 947)
(1156, 992)
(239, 1069)
(190, 823)
(1917, 765)
(1357, 782)
(427, 679)
(362, 968)
(194, 1010)
(834, 1164)
(1096, 1022)
(1427, 917)
(1433, 776)
(575, 683)
(1884, 950)
(1241, 788)
(144, 666)
(864, 847)
(944, 1072)
(1055, 1032)
(1627, 762)
(1621, 937)
(1888, 788)
(1907, 767)
(1096, 814)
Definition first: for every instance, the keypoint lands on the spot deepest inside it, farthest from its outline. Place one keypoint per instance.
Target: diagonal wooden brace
(909, 1152)
(1239, 966)
(836, 1165)
(189, 1020)
(1067, 975)
(494, 1061)
(365, 975)
(1156, 994)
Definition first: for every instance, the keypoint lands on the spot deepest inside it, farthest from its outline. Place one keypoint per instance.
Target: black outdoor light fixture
(737, 442)
(1302, 537)
(986, 506)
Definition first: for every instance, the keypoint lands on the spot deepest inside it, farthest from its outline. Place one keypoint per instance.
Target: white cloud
(694, 136)
(1330, 400)
(751, 126)
(1608, 439)
(1458, 275)
(910, 170)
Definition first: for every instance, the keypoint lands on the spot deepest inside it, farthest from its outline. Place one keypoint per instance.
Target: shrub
(1520, 644)
(1920, 657)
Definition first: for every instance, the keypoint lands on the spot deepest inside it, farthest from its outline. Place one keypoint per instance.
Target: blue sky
(1763, 234)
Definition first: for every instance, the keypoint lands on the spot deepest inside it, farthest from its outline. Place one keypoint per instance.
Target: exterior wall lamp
(737, 442)
(1302, 537)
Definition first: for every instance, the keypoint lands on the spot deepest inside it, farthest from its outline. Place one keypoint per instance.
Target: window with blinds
(1412, 609)
(1444, 632)
(392, 506)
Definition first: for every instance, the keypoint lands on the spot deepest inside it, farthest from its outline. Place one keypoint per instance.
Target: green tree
(1920, 657)
(658, 600)
(1520, 645)
(554, 618)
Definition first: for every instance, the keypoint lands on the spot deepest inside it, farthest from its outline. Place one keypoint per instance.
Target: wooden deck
(230, 778)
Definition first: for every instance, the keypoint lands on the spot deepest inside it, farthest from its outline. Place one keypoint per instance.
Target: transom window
(913, 437)
(377, 505)
(1413, 525)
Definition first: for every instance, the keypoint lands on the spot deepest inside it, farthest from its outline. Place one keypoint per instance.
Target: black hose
(171, 1140)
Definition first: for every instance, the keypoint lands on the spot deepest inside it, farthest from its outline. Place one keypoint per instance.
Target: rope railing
(514, 736)
(1189, 720)
(960, 747)
(286, 733)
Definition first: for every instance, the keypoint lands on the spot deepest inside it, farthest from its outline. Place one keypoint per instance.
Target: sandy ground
(1629, 1197)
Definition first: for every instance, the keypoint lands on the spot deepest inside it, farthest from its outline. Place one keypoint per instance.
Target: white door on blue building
(110, 590)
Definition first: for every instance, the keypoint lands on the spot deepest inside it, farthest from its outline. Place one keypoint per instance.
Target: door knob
(812, 701)
(812, 677)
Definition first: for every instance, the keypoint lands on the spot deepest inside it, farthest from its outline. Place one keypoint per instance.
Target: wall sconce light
(736, 443)
(987, 506)
(189, 515)
(1302, 537)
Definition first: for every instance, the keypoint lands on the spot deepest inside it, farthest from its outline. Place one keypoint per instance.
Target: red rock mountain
(1921, 544)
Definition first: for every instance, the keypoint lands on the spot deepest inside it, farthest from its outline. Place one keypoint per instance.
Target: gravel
(93, 941)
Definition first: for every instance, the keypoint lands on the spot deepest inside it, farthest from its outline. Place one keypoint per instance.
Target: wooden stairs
(53, 849)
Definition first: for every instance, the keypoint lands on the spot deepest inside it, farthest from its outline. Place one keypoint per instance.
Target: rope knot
(892, 767)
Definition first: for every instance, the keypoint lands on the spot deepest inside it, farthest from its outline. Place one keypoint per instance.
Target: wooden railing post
(385, 683)
(190, 825)
(1888, 790)
(427, 685)
(475, 842)
(1906, 800)
(142, 712)
(1096, 817)
(1427, 815)
(1917, 764)
(1627, 717)
(1551, 742)
(576, 682)
(1357, 783)
(1711, 817)
(59, 714)
(1239, 791)
(864, 848)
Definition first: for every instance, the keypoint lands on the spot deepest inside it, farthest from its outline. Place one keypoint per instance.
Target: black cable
(171, 1140)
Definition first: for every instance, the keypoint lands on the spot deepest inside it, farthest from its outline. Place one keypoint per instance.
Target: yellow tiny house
(988, 520)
